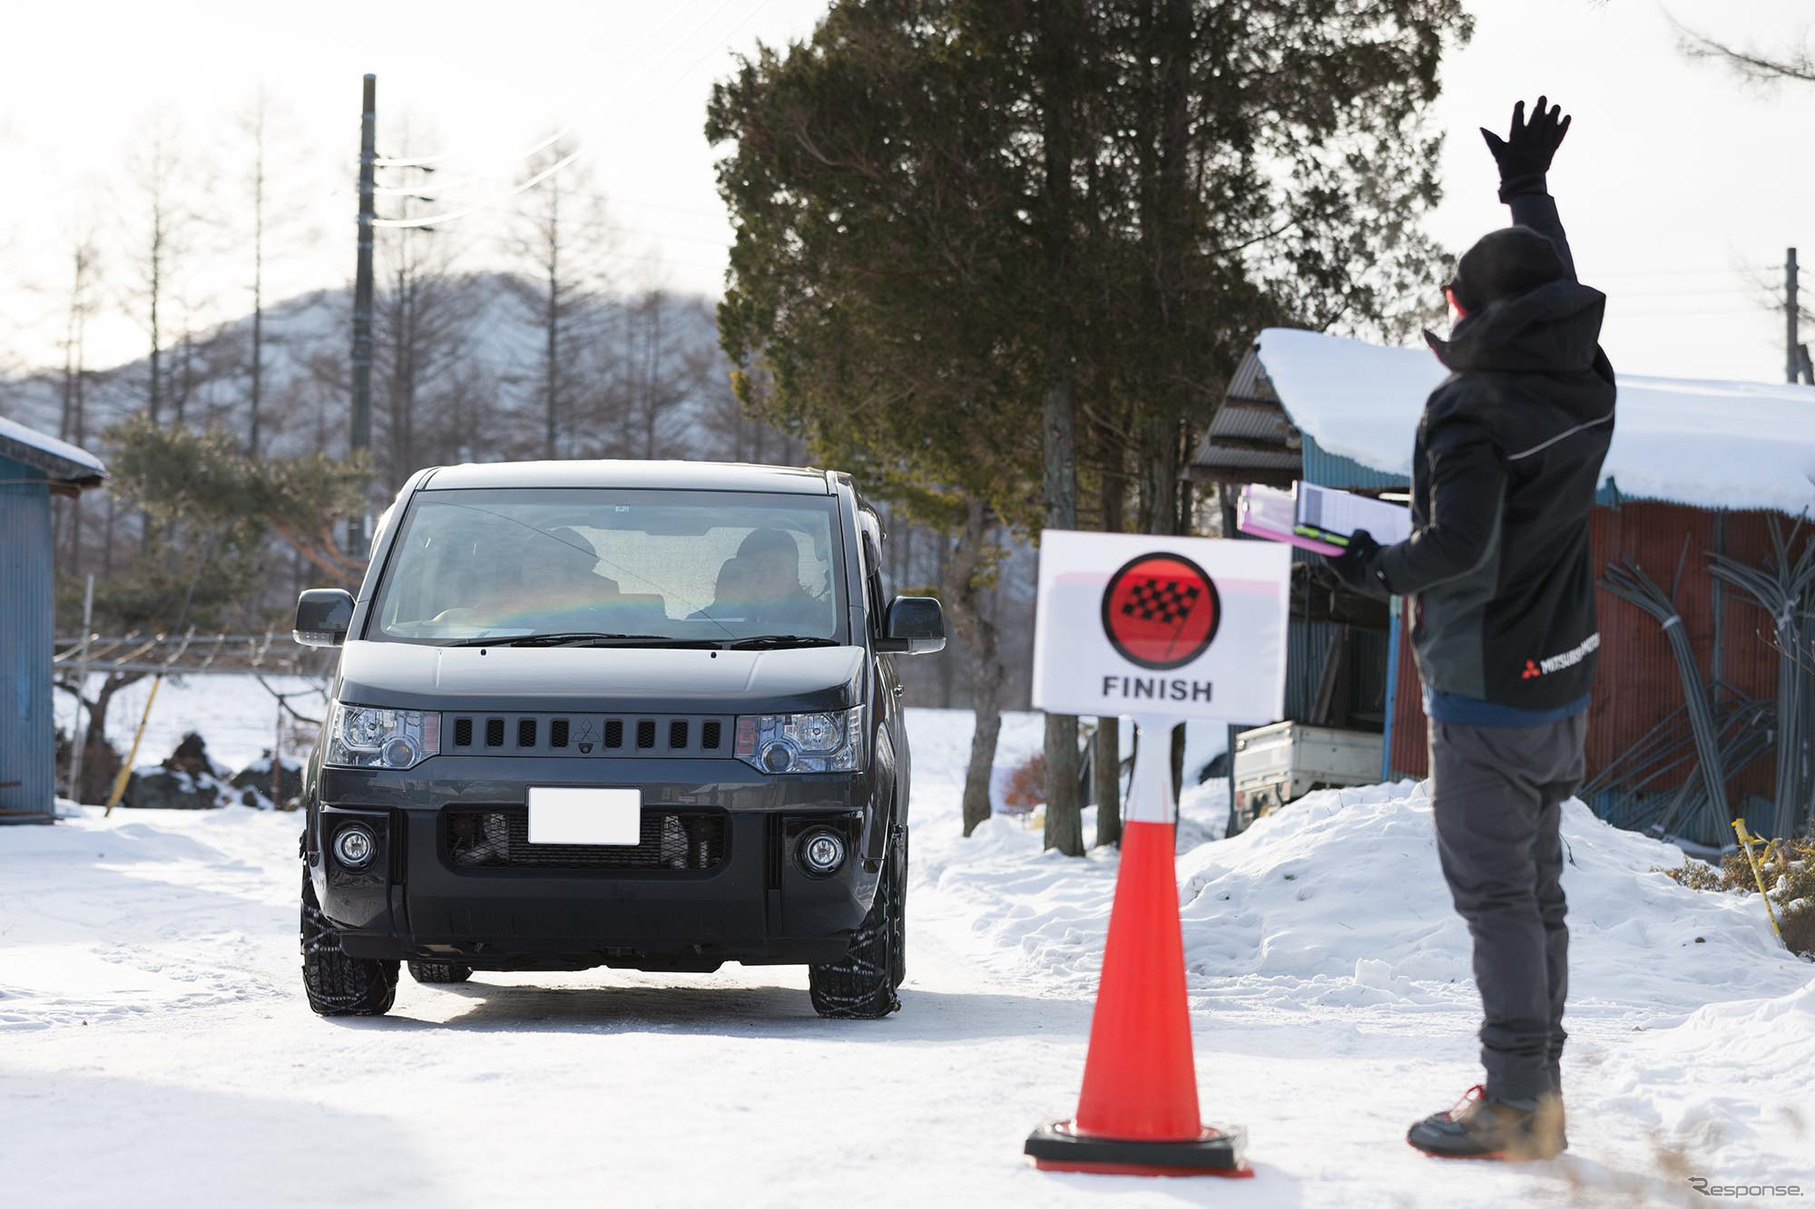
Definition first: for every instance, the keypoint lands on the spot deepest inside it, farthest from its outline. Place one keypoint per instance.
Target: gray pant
(1496, 794)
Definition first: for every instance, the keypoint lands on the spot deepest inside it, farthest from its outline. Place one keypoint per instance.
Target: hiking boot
(1480, 1127)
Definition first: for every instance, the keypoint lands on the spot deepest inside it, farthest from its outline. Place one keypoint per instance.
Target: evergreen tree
(963, 226)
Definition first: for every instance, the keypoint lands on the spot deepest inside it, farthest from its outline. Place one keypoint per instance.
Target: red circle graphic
(1161, 611)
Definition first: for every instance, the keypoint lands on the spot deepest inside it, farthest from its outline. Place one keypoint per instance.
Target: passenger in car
(732, 594)
(779, 598)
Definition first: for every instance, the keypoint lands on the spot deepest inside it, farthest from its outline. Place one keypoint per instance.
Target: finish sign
(1175, 627)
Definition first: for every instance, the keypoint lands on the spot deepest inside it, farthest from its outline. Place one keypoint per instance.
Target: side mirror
(323, 616)
(915, 626)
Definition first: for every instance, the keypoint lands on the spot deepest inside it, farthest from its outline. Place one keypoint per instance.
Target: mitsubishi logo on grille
(585, 743)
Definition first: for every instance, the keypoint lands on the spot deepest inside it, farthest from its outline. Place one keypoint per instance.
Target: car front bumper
(753, 902)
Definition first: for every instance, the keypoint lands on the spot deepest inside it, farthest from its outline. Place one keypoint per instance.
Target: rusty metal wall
(1636, 681)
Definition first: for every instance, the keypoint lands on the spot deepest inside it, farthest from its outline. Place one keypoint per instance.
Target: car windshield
(579, 565)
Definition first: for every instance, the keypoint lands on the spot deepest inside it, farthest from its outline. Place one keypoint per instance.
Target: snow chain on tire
(898, 957)
(338, 985)
(438, 972)
(861, 985)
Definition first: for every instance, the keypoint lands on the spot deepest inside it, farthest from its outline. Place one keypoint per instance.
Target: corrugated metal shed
(1327, 469)
(1636, 680)
(1250, 438)
(32, 466)
(1637, 683)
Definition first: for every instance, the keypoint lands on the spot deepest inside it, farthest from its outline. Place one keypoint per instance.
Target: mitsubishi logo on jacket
(1556, 663)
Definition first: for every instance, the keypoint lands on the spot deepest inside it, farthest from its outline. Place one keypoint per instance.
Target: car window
(672, 564)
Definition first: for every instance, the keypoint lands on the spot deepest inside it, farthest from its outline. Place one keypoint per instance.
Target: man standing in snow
(1497, 572)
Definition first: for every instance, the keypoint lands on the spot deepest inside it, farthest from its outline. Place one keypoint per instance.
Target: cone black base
(1221, 1152)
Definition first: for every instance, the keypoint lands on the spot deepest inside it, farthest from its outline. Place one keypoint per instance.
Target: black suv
(638, 714)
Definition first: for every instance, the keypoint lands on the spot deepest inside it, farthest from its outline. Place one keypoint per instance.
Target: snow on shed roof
(1733, 445)
(59, 459)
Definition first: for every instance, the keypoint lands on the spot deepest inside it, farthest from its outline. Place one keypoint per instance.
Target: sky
(1681, 187)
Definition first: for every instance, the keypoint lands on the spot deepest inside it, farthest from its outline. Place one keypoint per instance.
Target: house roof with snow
(59, 460)
(1343, 412)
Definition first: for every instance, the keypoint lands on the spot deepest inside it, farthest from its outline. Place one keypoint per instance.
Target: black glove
(1524, 154)
(1359, 565)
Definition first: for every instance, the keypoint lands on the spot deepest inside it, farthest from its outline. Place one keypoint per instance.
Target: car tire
(898, 956)
(338, 985)
(437, 972)
(861, 984)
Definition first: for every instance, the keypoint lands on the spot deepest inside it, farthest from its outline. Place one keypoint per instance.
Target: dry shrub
(1026, 786)
(1788, 870)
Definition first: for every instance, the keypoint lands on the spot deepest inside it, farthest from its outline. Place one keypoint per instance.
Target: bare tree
(1759, 66)
(155, 169)
(969, 573)
(661, 365)
(425, 315)
(72, 424)
(255, 125)
(560, 238)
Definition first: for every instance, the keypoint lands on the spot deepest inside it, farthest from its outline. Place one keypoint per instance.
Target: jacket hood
(1553, 329)
(1505, 264)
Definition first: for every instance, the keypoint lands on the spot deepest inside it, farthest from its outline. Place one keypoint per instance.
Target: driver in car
(774, 588)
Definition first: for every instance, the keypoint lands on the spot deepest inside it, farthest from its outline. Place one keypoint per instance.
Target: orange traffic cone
(1138, 1112)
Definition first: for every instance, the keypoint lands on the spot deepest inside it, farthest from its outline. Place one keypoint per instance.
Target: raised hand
(1525, 153)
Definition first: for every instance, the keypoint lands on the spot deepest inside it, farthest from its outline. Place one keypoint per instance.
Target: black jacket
(1507, 463)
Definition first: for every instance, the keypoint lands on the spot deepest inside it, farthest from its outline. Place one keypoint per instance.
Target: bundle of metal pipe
(1629, 582)
(1633, 789)
(1785, 589)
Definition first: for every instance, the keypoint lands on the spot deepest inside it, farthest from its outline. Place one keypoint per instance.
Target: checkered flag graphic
(1165, 601)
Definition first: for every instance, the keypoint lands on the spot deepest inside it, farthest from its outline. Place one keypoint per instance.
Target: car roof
(707, 476)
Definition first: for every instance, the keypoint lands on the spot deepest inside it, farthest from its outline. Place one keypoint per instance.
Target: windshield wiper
(764, 642)
(583, 638)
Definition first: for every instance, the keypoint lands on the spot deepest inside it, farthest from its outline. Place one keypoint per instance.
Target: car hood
(606, 679)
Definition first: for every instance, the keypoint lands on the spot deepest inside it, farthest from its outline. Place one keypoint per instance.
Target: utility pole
(362, 297)
(1792, 352)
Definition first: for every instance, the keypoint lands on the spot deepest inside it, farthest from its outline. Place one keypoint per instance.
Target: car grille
(680, 840)
(668, 736)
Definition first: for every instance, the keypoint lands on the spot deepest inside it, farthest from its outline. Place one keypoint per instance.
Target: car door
(888, 679)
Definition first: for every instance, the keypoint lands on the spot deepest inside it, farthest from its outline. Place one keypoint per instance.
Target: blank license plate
(585, 816)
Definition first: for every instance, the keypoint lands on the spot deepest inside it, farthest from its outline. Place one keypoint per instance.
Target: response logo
(1161, 611)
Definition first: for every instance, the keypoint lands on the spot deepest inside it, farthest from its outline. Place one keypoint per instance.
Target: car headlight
(823, 742)
(362, 737)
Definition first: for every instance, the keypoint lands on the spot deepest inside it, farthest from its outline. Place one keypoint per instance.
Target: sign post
(1163, 629)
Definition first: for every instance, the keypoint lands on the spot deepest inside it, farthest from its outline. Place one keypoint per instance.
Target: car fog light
(822, 851)
(354, 846)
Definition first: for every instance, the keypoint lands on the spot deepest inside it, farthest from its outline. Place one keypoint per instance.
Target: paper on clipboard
(1341, 512)
(1319, 519)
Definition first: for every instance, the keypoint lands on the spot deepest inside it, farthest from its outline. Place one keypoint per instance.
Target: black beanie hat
(1504, 264)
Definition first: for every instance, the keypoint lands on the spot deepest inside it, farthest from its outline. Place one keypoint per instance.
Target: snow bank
(1327, 966)
(1707, 444)
(1338, 900)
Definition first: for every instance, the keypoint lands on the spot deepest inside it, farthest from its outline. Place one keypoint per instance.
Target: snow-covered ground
(155, 1048)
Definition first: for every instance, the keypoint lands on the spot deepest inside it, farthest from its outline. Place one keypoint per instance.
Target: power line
(419, 161)
(1640, 292)
(1590, 275)
(429, 220)
(648, 100)
(1759, 310)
